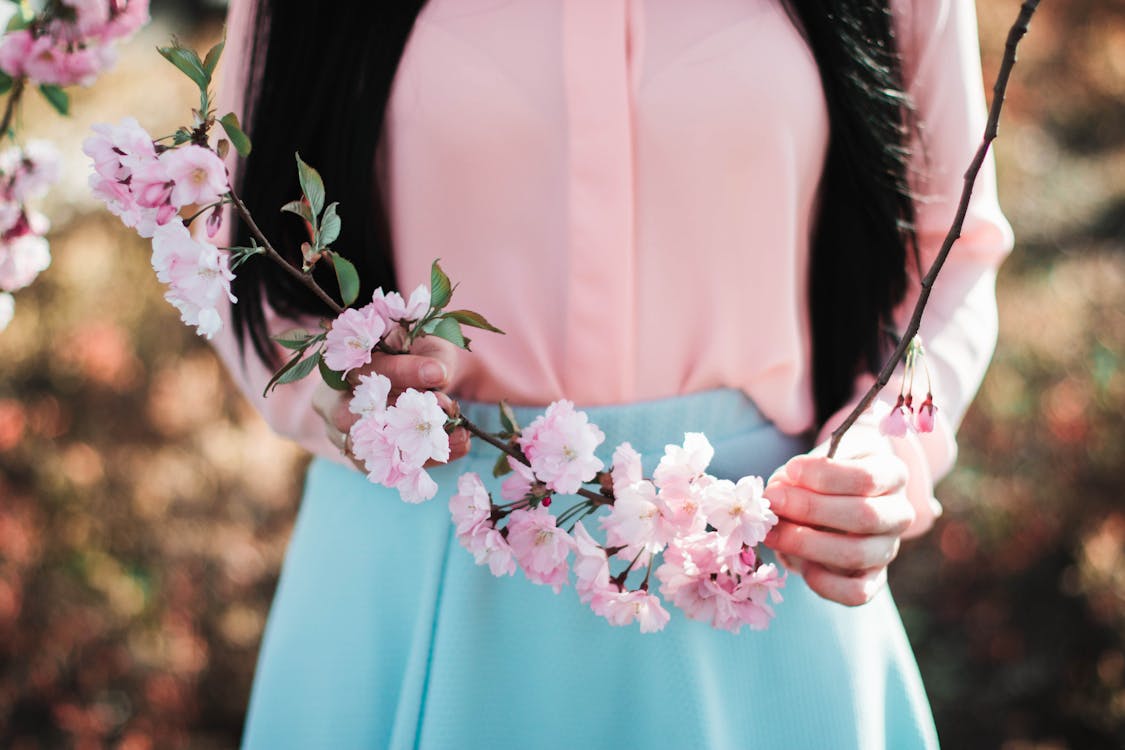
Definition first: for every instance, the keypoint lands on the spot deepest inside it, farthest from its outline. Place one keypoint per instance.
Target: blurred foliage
(144, 509)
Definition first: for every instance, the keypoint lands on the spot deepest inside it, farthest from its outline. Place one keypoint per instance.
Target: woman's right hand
(428, 367)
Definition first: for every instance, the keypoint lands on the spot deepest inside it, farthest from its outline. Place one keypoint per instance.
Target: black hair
(862, 239)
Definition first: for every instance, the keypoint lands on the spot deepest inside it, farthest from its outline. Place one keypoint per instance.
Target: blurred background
(144, 508)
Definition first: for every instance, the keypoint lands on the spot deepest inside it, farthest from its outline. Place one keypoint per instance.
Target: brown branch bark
(14, 96)
(1015, 34)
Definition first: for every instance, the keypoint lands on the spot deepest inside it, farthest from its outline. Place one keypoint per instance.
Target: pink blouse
(627, 188)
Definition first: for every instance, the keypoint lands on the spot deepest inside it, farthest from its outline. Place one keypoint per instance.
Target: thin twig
(10, 108)
(1019, 28)
(305, 279)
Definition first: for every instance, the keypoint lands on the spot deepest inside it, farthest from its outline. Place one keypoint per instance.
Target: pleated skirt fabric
(385, 634)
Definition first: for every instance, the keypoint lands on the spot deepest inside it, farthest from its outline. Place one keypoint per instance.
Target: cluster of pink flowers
(896, 421)
(25, 174)
(357, 331)
(71, 42)
(146, 186)
(706, 528)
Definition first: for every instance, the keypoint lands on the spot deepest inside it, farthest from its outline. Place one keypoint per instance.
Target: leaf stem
(14, 96)
(1019, 28)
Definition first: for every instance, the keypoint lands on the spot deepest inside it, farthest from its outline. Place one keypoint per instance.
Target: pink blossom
(625, 607)
(22, 258)
(372, 446)
(416, 425)
(394, 308)
(560, 445)
(214, 221)
(738, 511)
(924, 417)
(11, 213)
(518, 484)
(540, 547)
(55, 61)
(30, 170)
(470, 506)
(416, 486)
(896, 420)
(681, 465)
(370, 396)
(591, 566)
(118, 149)
(90, 16)
(352, 338)
(634, 522)
(150, 184)
(626, 467)
(489, 547)
(7, 309)
(15, 50)
(198, 275)
(199, 175)
(126, 20)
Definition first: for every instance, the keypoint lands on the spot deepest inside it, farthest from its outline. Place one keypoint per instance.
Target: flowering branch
(1019, 28)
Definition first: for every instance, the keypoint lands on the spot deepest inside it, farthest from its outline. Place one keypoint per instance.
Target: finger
(418, 371)
(849, 590)
(886, 514)
(843, 551)
(868, 476)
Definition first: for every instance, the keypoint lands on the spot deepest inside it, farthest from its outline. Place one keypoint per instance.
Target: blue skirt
(384, 634)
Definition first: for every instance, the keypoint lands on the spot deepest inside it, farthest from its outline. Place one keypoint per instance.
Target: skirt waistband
(745, 441)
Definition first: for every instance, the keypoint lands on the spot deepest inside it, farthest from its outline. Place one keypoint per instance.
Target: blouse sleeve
(938, 41)
(288, 409)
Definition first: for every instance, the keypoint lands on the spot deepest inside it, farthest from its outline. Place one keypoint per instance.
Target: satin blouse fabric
(627, 187)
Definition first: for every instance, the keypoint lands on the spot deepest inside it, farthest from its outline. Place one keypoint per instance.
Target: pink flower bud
(924, 418)
(214, 222)
(896, 421)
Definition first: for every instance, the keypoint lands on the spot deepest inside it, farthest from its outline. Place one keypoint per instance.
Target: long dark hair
(863, 234)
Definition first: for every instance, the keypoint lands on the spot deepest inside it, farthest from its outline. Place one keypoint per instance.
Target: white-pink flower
(7, 309)
(30, 170)
(489, 547)
(738, 511)
(518, 484)
(126, 19)
(540, 547)
(626, 467)
(22, 258)
(681, 465)
(894, 422)
(372, 446)
(470, 506)
(118, 149)
(198, 174)
(15, 49)
(352, 338)
(197, 273)
(634, 522)
(416, 425)
(625, 607)
(591, 566)
(393, 307)
(560, 445)
(370, 395)
(416, 486)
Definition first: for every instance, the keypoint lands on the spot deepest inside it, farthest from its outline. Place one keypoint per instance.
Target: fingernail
(432, 373)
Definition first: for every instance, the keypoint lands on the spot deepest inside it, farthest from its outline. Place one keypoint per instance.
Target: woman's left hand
(841, 519)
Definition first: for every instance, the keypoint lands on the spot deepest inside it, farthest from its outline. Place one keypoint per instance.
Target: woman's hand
(841, 519)
(429, 367)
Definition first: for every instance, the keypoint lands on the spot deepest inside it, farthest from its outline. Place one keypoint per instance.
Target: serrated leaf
(5, 83)
(508, 419)
(347, 277)
(429, 326)
(501, 467)
(239, 255)
(329, 226)
(300, 370)
(293, 362)
(450, 330)
(470, 318)
(238, 139)
(294, 338)
(57, 98)
(212, 57)
(441, 290)
(300, 208)
(188, 63)
(335, 380)
(311, 185)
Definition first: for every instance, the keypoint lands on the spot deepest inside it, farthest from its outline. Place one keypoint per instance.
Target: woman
(686, 216)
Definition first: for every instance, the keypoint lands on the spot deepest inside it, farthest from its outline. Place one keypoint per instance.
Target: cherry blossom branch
(1019, 28)
(10, 108)
(305, 279)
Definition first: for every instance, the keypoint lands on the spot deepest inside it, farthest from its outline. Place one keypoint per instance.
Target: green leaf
(239, 255)
(440, 288)
(501, 467)
(5, 83)
(57, 97)
(183, 135)
(300, 208)
(508, 419)
(311, 185)
(329, 226)
(238, 139)
(450, 330)
(188, 63)
(335, 380)
(347, 277)
(299, 370)
(293, 362)
(212, 57)
(295, 338)
(470, 318)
